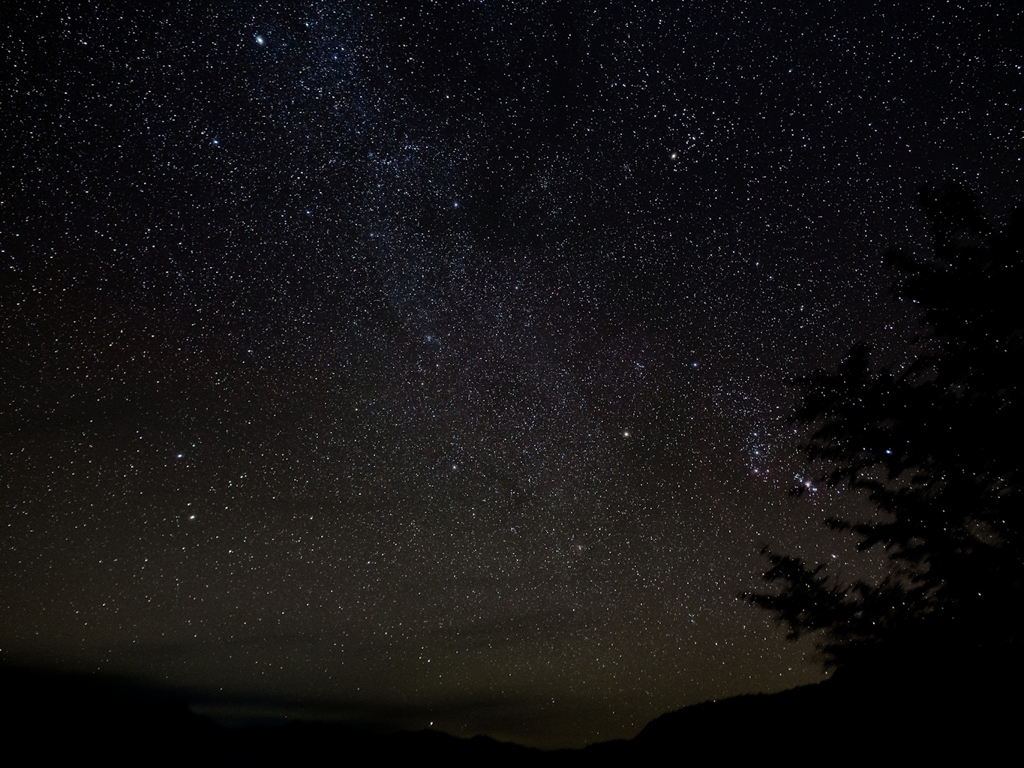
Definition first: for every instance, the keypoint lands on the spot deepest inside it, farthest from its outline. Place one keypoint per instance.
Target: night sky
(428, 362)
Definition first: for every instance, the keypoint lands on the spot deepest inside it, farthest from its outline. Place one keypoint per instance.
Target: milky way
(428, 362)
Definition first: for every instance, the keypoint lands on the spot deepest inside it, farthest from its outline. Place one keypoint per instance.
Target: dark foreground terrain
(887, 716)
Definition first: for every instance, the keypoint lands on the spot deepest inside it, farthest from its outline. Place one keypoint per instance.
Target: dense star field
(428, 362)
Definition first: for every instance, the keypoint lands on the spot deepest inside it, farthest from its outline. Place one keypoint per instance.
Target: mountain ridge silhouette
(963, 712)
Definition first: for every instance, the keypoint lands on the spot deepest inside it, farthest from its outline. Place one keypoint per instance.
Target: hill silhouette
(928, 708)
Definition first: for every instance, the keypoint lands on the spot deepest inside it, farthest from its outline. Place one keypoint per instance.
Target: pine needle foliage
(936, 445)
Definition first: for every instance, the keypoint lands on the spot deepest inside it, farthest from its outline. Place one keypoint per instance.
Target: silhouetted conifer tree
(937, 446)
